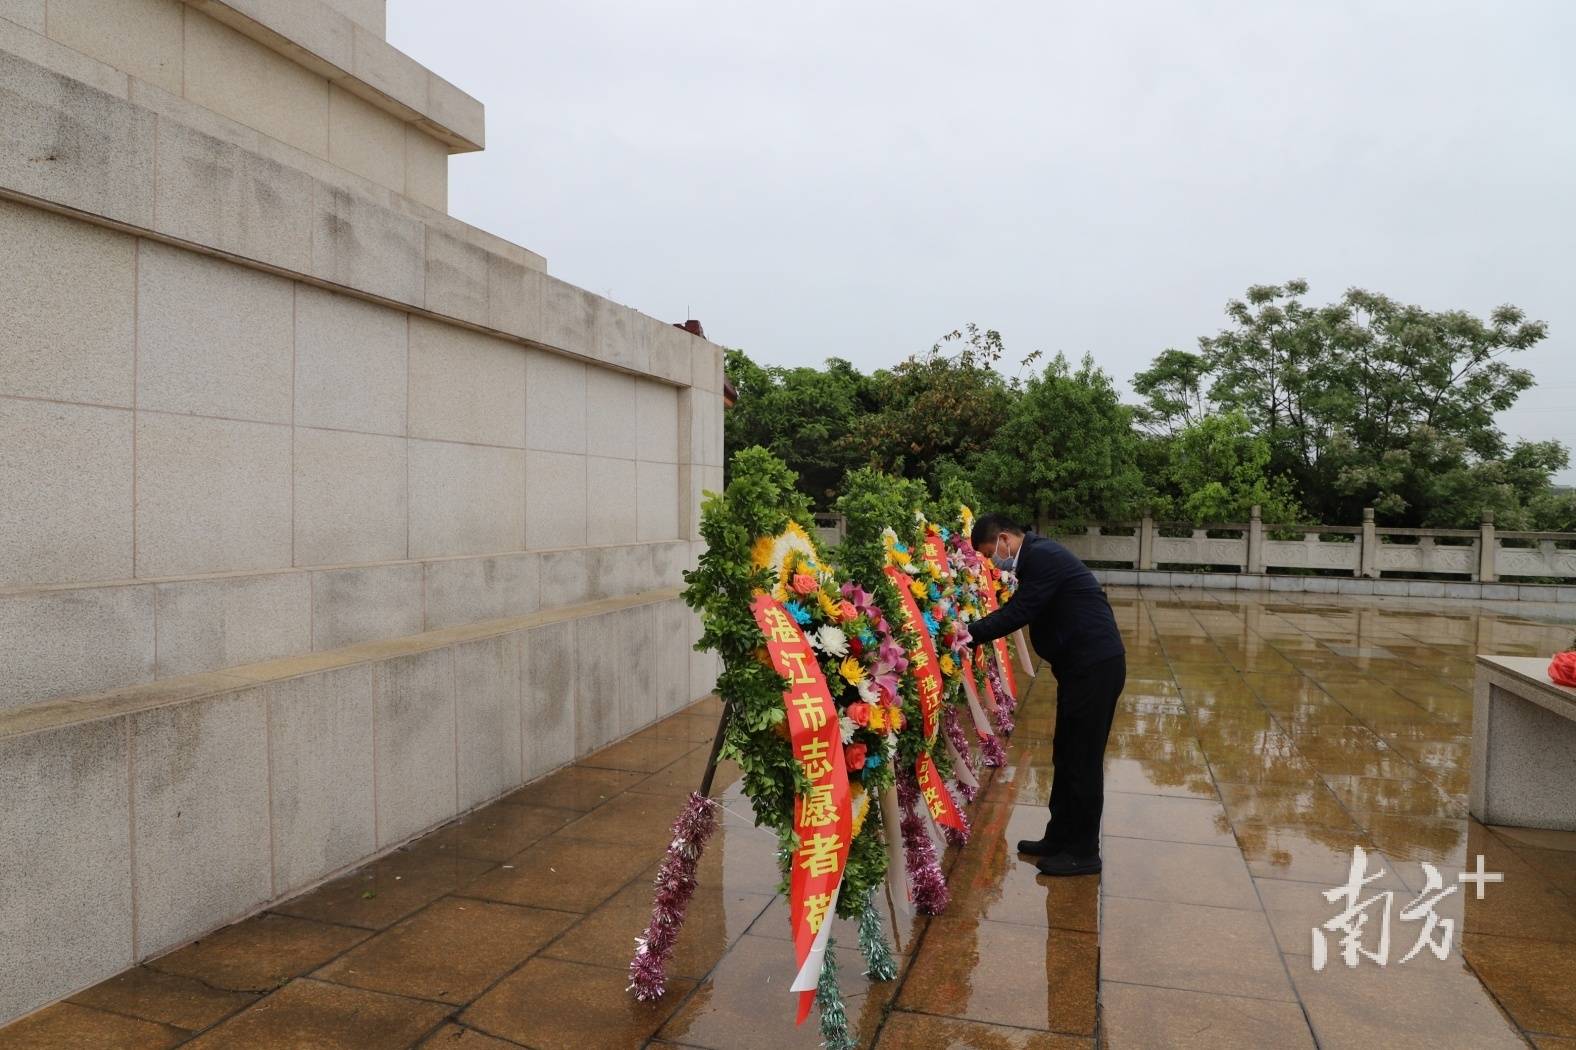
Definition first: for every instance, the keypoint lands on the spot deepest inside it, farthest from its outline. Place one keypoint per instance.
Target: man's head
(997, 536)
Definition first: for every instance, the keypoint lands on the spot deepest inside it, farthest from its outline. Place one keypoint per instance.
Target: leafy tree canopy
(1365, 402)
(1310, 412)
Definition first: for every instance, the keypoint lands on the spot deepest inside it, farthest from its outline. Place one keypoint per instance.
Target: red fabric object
(1563, 669)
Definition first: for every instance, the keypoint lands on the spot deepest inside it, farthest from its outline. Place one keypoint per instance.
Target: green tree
(1067, 450)
(1367, 402)
(1217, 469)
(936, 408)
(1173, 392)
(803, 416)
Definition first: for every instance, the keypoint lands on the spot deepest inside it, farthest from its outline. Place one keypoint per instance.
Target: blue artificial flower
(935, 593)
(901, 547)
(799, 613)
(930, 624)
(868, 638)
(945, 534)
(872, 761)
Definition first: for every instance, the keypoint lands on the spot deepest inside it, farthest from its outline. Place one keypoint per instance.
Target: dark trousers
(1085, 705)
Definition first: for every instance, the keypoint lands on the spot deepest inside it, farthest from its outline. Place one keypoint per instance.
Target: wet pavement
(1258, 741)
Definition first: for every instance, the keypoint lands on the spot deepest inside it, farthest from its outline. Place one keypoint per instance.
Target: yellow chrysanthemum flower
(918, 589)
(852, 673)
(859, 804)
(828, 606)
(949, 666)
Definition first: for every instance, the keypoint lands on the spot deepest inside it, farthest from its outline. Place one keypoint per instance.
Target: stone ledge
(330, 44)
(1532, 674)
(117, 703)
(306, 219)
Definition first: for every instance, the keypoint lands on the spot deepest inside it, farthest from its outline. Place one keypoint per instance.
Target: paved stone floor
(1258, 741)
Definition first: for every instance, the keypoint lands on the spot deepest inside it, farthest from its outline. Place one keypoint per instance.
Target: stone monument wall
(324, 516)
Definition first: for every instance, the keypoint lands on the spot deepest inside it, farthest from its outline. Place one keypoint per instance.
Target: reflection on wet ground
(1258, 742)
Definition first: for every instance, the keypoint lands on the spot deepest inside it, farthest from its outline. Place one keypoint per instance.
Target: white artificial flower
(867, 692)
(848, 726)
(833, 641)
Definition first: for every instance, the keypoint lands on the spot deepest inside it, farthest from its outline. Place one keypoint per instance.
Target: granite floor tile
(911, 1031)
(1003, 973)
(387, 890)
(1422, 1004)
(1284, 804)
(307, 1013)
(639, 821)
(456, 1037)
(261, 953)
(451, 951)
(991, 880)
(1309, 853)
(68, 1026)
(1134, 1017)
(1152, 777)
(1177, 871)
(680, 778)
(182, 1002)
(1532, 979)
(563, 874)
(641, 754)
(556, 1005)
(716, 918)
(1226, 951)
(751, 981)
(497, 832)
(1166, 817)
(575, 787)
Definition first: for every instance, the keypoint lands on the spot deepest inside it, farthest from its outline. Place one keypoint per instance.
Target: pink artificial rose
(859, 711)
(847, 612)
(804, 583)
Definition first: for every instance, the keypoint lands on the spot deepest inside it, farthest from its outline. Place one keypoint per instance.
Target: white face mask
(1005, 562)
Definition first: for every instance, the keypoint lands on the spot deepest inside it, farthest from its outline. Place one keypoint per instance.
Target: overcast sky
(854, 179)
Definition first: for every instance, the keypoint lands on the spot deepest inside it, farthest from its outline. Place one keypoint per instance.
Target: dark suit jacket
(1063, 605)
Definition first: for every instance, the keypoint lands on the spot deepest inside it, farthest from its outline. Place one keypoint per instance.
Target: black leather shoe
(1038, 847)
(1066, 864)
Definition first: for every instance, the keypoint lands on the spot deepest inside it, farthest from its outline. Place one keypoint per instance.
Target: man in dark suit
(1071, 626)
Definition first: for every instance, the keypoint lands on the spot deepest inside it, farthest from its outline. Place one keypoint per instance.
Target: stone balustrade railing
(1367, 551)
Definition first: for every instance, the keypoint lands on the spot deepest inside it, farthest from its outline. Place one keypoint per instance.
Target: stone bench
(1523, 745)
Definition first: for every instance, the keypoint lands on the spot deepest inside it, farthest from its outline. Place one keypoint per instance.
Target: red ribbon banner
(936, 551)
(1003, 661)
(822, 817)
(924, 662)
(937, 798)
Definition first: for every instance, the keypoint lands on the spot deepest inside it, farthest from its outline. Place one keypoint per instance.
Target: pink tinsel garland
(1005, 703)
(991, 752)
(675, 886)
(929, 885)
(960, 744)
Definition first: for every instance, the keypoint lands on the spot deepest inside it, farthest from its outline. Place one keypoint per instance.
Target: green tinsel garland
(879, 963)
(829, 1001)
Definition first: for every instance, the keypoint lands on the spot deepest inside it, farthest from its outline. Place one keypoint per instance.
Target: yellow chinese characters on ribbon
(922, 662)
(937, 798)
(823, 817)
